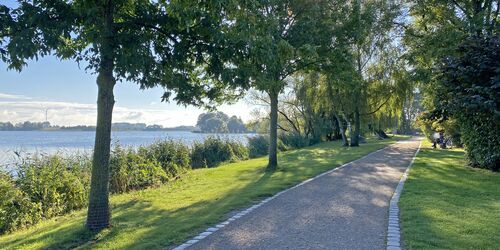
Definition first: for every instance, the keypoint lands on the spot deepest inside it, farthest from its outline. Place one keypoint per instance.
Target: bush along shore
(45, 186)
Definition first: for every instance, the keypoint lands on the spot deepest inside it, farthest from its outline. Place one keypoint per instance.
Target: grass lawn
(159, 217)
(446, 205)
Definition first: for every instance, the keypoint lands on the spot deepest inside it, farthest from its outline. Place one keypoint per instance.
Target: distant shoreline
(124, 130)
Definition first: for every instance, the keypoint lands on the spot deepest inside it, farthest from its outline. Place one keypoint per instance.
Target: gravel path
(346, 209)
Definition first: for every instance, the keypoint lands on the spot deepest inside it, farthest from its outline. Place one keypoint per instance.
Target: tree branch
(379, 107)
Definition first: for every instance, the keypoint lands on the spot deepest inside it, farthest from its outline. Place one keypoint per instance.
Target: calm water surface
(83, 141)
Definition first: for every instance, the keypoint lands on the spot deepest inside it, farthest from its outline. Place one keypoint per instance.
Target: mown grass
(447, 205)
(159, 217)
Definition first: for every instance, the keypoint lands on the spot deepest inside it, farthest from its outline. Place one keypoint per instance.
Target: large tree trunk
(342, 128)
(273, 132)
(356, 128)
(98, 214)
(336, 129)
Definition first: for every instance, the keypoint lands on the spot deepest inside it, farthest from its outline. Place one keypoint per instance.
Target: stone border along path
(393, 229)
(196, 242)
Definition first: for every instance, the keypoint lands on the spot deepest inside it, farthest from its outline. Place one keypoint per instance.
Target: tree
(174, 44)
(468, 91)
(372, 22)
(278, 40)
(437, 29)
(236, 125)
(443, 37)
(213, 122)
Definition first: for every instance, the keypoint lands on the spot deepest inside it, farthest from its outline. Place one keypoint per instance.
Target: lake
(83, 141)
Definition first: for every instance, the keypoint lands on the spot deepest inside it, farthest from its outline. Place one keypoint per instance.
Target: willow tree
(173, 44)
(278, 39)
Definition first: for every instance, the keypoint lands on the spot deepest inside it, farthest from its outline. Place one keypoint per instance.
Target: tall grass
(45, 186)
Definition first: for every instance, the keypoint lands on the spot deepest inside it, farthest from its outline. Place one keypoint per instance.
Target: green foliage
(49, 185)
(294, 140)
(56, 183)
(467, 90)
(258, 146)
(44, 187)
(218, 122)
(214, 151)
(16, 209)
(450, 127)
(130, 171)
(174, 157)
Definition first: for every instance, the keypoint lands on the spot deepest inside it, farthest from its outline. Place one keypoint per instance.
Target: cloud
(17, 108)
(4, 96)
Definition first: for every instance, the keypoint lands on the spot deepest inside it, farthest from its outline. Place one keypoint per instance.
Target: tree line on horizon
(117, 126)
(323, 69)
(219, 122)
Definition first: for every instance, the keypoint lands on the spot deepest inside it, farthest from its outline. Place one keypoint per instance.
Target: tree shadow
(144, 222)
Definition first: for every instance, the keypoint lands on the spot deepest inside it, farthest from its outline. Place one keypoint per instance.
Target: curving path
(345, 209)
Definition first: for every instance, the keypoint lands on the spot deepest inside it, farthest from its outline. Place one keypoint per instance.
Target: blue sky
(69, 94)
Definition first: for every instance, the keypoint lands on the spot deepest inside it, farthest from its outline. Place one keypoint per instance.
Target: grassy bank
(154, 218)
(446, 205)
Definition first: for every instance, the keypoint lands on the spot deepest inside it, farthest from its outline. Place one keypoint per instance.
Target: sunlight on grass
(447, 205)
(159, 217)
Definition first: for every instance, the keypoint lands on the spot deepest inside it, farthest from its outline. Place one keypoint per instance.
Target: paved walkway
(346, 209)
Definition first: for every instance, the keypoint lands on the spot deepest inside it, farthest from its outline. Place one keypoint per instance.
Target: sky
(69, 95)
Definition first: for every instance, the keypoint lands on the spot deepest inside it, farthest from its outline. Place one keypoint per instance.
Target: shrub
(240, 150)
(173, 156)
(467, 90)
(130, 171)
(294, 140)
(258, 146)
(214, 151)
(16, 209)
(55, 183)
(481, 137)
(44, 187)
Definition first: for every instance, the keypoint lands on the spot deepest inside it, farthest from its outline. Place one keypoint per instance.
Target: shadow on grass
(143, 222)
(447, 205)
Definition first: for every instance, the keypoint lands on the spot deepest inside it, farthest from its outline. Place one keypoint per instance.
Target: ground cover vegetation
(445, 205)
(155, 218)
(43, 186)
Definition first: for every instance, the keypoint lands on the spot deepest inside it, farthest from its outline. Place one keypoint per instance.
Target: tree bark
(356, 128)
(273, 132)
(342, 128)
(98, 213)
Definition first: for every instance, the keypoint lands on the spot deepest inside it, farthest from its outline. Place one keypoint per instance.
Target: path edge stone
(211, 230)
(393, 229)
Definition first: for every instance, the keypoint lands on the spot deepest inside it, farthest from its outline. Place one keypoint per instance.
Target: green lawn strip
(447, 205)
(170, 214)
